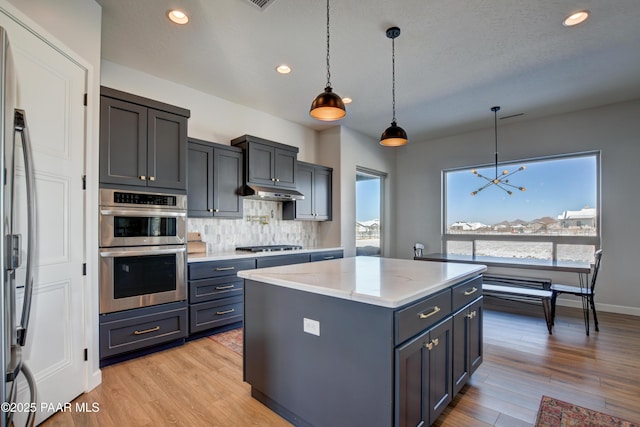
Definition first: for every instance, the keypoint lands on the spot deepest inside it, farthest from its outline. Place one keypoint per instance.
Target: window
(368, 212)
(557, 217)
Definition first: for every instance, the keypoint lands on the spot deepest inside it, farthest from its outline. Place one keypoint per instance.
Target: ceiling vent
(262, 4)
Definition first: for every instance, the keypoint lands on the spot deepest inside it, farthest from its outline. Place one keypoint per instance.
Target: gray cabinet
(128, 331)
(215, 180)
(314, 181)
(423, 376)
(277, 260)
(215, 293)
(268, 163)
(142, 142)
(326, 255)
(467, 344)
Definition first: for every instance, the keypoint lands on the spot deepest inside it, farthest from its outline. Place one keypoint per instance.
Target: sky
(552, 187)
(367, 200)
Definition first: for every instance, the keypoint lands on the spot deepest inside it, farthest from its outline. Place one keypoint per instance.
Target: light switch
(311, 326)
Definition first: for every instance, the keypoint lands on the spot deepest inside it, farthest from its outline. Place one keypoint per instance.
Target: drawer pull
(225, 268)
(435, 342)
(425, 315)
(328, 257)
(220, 313)
(143, 178)
(470, 291)
(222, 288)
(146, 331)
(472, 314)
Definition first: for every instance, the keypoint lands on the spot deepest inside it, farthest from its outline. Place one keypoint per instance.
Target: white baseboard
(610, 308)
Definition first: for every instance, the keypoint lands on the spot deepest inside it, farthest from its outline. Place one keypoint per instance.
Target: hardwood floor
(200, 383)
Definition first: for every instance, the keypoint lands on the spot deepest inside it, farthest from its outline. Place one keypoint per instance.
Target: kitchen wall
(262, 225)
(345, 150)
(614, 129)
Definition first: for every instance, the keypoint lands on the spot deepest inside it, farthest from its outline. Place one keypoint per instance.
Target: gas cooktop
(268, 248)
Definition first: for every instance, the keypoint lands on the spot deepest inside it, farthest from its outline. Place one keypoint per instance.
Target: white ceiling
(454, 59)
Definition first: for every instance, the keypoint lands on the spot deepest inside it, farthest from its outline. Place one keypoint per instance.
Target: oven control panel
(144, 199)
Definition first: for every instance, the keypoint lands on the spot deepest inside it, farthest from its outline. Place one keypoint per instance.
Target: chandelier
(501, 180)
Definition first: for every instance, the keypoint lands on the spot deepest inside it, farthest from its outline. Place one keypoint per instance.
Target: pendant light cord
(328, 57)
(495, 127)
(393, 77)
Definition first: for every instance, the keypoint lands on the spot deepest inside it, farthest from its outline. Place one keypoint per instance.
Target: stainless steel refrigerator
(16, 250)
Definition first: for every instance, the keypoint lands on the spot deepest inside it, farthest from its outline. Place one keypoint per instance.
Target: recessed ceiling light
(283, 69)
(576, 18)
(347, 100)
(178, 16)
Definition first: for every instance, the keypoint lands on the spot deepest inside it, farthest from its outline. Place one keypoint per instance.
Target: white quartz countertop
(384, 282)
(221, 256)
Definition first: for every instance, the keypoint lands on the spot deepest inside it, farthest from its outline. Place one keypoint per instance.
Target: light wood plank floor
(200, 383)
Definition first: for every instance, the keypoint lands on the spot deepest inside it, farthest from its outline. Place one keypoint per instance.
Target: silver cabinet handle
(152, 178)
(431, 313)
(219, 313)
(225, 268)
(470, 291)
(222, 288)
(143, 178)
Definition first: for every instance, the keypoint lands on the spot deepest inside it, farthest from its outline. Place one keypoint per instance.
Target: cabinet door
(227, 183)
(303, 209)
(285, 168)
(322, 194)
(439, 378)
(200, 183)
(123, 142)
(467, 343)
(166, 150)
(475, 335)
(261, 164)
(411, 359)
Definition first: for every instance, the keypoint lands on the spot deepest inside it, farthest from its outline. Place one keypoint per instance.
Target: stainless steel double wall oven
(143, 249)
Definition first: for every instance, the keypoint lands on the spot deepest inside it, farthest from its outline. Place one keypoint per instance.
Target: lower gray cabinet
(467, 335)
(130, 330)
(216, 313)
(277, 260)
(326, 255)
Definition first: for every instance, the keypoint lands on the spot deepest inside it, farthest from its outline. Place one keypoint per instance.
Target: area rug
(556, 413)
(231, 339)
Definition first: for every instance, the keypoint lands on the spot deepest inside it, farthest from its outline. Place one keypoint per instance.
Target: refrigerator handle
(20, 123)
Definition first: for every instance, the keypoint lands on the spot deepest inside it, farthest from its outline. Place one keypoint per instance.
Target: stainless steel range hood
(271, 193)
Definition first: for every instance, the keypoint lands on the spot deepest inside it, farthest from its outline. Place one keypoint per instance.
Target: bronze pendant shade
(394, 135)
(328, 106)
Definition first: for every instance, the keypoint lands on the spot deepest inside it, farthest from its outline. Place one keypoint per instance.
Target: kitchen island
(361, 341)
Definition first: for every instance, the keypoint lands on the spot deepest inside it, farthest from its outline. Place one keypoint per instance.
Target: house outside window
(557, 217)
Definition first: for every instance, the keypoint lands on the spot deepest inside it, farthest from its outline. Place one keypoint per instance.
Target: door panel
(51, 89)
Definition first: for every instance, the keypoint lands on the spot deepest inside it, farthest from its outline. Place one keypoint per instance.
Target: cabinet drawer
(411, 320)
(323, 256)
(210, 289)
(136, 329)
(274, 261)
(208, 315)
(203, 270)
(466, 292)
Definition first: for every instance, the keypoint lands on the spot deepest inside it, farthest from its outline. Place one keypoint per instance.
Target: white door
(51, 90)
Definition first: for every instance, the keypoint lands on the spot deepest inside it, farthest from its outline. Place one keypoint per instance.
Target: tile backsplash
(262, 224)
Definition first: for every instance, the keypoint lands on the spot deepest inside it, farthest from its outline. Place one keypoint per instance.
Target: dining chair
(586, 292)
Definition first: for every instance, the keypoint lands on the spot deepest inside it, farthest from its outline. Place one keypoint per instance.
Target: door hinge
(84, 182)
(85, 100)
(86, 354)
(84, 269)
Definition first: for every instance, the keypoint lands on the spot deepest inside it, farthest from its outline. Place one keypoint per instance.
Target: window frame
(555, 240)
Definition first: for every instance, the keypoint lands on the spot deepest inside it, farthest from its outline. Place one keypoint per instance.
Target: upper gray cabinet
(314, 181)
(215, 180)
(268, 163)
(142, 142)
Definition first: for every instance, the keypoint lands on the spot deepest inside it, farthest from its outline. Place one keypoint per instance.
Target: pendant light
(328, 106)
(394, 135)
(501, 181)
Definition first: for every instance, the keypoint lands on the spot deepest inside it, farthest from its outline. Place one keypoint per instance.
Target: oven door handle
(139, 252)
(139, 213)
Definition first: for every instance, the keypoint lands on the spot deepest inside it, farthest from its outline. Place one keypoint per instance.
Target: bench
(523, 289)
